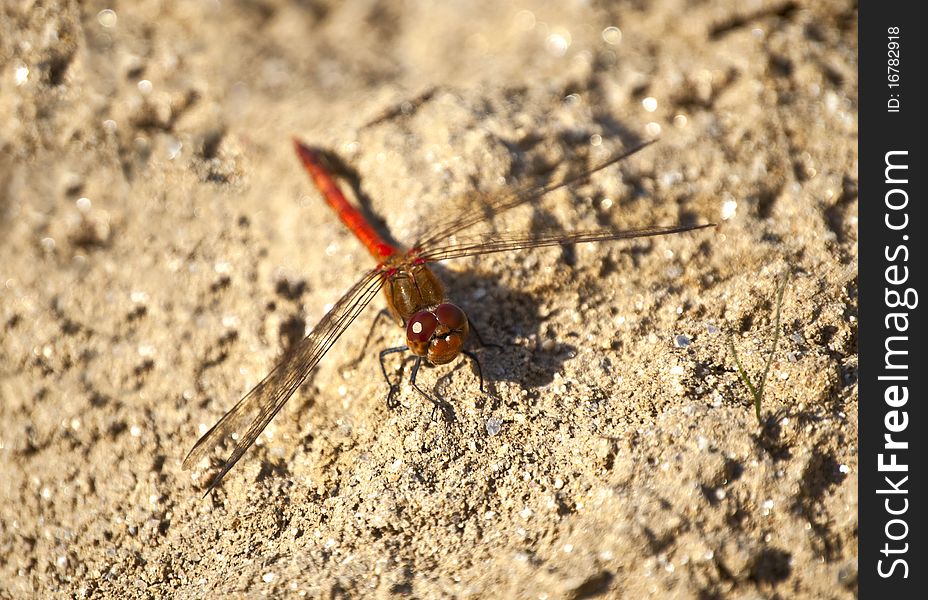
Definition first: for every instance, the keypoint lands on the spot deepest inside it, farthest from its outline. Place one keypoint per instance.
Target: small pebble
(729, 208)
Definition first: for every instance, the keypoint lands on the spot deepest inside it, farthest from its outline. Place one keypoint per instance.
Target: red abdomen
(349, 215)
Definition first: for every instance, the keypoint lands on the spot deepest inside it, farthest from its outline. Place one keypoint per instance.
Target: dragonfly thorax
(437, 334)
(435, 329)
(411, 287)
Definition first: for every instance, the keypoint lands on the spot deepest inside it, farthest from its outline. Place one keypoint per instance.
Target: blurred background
(160, 248)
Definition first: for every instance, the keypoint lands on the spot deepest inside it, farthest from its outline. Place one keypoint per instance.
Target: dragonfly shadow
(616, 129)
(509, 325)
(274, 468)
(509, 351)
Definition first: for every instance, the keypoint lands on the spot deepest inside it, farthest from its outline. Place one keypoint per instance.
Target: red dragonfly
(435, 328)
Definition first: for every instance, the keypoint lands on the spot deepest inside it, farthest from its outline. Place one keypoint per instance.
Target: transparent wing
(508, 199)
(251, 415)
(487, 243)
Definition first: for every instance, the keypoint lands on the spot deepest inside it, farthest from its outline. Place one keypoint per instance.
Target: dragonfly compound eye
(451, 316)
(419, 332)
(449, 336)
(437, 334)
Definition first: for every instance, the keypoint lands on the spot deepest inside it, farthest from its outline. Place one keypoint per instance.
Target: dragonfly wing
(247, 419)
(488, 243)
(506, 200)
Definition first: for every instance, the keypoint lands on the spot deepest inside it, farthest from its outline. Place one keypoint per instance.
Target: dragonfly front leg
(437, 404)
(394, 387)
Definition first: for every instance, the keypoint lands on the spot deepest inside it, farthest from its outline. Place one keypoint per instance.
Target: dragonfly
(435, 328)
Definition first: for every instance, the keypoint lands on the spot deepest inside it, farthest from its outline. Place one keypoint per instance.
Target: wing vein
(506, 200)
(265, 400)
(488, 243)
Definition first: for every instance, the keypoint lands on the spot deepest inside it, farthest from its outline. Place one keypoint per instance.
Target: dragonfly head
(437, 334)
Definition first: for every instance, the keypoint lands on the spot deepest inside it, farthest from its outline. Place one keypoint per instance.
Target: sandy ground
(161, 248)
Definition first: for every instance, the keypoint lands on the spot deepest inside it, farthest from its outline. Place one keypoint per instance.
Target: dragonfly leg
(367, 341)
(437, 404)
(394, 387)
(492, 394)
(476, 360)
(479, 337)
